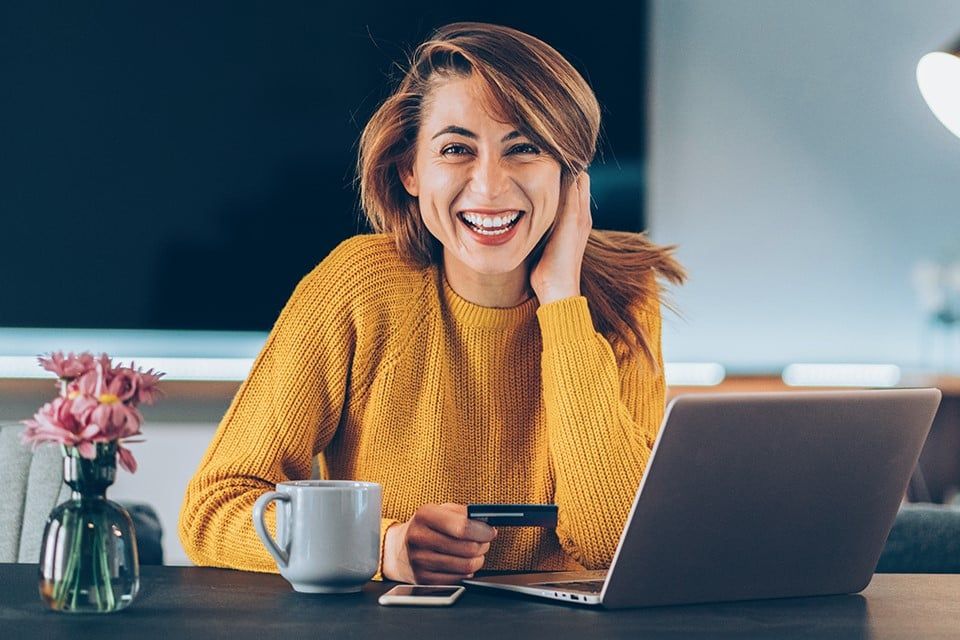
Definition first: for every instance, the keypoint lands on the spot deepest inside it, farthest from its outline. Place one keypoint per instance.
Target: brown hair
(525, 82)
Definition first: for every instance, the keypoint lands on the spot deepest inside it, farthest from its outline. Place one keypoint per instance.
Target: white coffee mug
(328, 533)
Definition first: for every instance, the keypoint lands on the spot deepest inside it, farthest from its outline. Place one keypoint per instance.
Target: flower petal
(125, 457)
(87, 450)
(89, 432)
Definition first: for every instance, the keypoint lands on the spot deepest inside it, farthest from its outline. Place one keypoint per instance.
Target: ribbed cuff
(385, 523)
(565, 320)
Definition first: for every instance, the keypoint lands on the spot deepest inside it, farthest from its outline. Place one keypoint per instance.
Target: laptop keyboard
(590, 586)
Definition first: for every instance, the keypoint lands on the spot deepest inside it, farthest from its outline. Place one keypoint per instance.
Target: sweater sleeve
(602, 420)
(284, 413)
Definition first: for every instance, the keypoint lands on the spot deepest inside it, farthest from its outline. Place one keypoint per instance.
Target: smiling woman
(490, 118)
(486, 345)
(487, 197)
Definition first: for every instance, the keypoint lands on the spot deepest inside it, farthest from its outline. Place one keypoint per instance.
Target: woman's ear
(409, 179)
(566, 180)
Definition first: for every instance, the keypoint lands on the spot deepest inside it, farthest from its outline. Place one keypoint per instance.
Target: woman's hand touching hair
(557, 274)
(438, 545)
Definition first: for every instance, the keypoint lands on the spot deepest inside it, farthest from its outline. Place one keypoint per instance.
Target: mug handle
(259, 507)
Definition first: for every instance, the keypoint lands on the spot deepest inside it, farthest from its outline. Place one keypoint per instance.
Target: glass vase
(88, 556)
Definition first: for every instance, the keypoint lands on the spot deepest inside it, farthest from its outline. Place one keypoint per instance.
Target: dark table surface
(193, 602)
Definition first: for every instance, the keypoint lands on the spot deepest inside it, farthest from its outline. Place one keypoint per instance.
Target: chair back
(31, 482)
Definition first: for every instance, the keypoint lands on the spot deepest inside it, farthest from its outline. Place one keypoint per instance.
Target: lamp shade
(938, 75)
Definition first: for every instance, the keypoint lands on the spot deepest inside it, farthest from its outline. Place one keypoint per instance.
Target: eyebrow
(452, 128)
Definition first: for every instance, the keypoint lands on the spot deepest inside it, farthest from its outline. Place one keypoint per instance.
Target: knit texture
(390, 376)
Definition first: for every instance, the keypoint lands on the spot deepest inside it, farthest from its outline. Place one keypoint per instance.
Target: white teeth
(490, 222)
(498, 232)
(490, 225)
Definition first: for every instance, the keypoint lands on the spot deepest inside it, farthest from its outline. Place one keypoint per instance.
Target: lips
(491, 224)
(491, 229)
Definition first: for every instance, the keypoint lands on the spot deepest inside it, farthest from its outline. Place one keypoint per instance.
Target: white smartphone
(423, 595)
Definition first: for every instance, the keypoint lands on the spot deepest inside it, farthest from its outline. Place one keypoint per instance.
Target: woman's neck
(501, 290)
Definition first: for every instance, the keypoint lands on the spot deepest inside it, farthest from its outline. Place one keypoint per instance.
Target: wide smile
(491, 229)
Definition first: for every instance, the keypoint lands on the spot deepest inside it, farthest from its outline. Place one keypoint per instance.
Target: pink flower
(82, 406)
(104, 361)
(68, 367)
(125, 457)
(87, 383)
(122, 383)
(98, 404)
(115, 420)
(148, 389)
(55, 422)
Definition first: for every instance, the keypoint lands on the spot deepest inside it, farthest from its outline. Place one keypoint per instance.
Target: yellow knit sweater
(396, 379)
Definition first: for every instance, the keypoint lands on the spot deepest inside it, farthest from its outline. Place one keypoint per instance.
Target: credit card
(514, 515)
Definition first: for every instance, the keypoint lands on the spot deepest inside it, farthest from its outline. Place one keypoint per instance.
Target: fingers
(582, 185)
(431, 561)
(430, 577)
(443, 545)
(451, 520)
(576, 201)
(424, 537)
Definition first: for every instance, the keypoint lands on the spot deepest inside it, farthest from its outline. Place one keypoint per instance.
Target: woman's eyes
(532, 148)
(444, 151)
(529, 148)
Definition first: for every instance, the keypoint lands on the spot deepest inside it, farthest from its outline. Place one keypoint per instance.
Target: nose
(489, 177)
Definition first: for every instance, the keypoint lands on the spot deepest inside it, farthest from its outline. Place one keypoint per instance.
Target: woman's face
(486, 192)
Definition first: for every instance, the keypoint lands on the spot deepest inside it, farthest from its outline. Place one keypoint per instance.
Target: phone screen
(415, 590)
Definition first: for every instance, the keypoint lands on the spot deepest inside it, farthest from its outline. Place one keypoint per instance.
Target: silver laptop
(757, 495)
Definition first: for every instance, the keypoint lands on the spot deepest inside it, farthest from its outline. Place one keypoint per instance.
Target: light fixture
(938, 75)
(183, 355)
(697, 374)
(841, 375)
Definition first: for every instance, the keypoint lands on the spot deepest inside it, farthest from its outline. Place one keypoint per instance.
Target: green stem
(75, 577)
(104, 583)
(93, 582)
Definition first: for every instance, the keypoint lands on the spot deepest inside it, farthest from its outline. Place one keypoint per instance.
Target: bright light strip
(182, 355)
(841, 375)
(175, 368)
(146, 343)
(694, 374)
(938, 76)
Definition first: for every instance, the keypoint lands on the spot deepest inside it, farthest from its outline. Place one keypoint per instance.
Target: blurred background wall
(795, 164)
